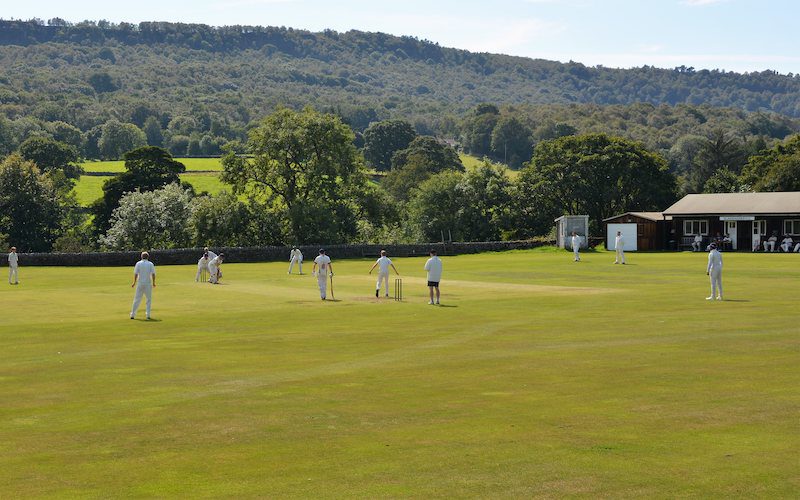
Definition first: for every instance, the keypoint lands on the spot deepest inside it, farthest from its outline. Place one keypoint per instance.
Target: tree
(118, 138)
(552, 130)
(591, 174)
(486, 199)
(723, 181)
(304, 167)
(469, 206)
(146, 169)
(30, 214)
(66, 133)
(383, 139)
(152, 219)
(6, 136)
(777, 169)
(102, 82)
(152, 130)
(718, 151)
(511, 141)
(51, 156)
(434, 209)
(425, 156)
(220, 220)
(478, 134)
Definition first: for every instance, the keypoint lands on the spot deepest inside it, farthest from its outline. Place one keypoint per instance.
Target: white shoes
(710, 298)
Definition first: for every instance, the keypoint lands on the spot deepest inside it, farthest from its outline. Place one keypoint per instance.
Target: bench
(686, 243)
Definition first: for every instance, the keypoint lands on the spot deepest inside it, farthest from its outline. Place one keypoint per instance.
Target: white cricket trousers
(716, 283)
(13, 275)
(385, 278)
(577, 252)
(147, 291)
(322, 281)
(213, 273)
(299, 263)
(620, 257)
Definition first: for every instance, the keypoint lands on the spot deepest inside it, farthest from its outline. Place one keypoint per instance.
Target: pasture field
(537, 377)
(470, 161)
(90, 187)
(117, 166)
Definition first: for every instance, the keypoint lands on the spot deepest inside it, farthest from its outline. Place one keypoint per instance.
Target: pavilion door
(730, 230)
(759, 229)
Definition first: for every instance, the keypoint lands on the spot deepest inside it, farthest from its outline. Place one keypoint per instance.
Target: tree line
(300, 179)
(192, 89)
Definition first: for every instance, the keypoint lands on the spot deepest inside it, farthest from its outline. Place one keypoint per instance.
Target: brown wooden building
(651, 230)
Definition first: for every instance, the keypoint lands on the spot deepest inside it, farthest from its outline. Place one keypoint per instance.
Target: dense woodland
(97, 90)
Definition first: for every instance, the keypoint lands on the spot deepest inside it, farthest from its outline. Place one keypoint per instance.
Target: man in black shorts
(434, 268)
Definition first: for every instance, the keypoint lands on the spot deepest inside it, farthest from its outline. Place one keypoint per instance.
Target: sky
(733, 35)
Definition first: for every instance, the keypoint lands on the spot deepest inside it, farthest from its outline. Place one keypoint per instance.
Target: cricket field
(536, 377)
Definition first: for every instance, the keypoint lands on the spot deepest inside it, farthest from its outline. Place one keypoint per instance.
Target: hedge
(266, 254)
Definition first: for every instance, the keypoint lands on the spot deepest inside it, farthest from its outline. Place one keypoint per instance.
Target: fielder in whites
(295, 257)
(714, 270)
(576, 246)
(383, 272)
(434, 268)
(144, 280)
(322, 268)
(619, 247)
(13, 267)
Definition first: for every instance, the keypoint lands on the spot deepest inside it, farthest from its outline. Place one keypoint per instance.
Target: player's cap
(713, 245)
(321, 250)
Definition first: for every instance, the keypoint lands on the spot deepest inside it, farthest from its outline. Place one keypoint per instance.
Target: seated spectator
(727, 242)
(786, 243)
(698, 240)
(797, 248)
(770, 243)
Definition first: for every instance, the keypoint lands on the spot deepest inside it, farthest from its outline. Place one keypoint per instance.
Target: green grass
(192, 164)
(90, 187)
(538, 377)
(470, 161)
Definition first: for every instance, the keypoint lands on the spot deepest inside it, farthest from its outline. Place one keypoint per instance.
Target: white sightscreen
(628, 233)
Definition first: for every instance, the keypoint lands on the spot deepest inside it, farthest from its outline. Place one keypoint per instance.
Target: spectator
(770, 243)
(698, 241)
(787, 243)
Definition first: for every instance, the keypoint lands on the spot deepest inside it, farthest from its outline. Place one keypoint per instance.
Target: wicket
(398, 289)
(204, 276)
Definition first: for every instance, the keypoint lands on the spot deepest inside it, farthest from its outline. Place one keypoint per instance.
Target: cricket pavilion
(743, 220)
(747, 219)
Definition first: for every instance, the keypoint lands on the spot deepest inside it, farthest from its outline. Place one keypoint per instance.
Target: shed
(566, 224)
(642, 230)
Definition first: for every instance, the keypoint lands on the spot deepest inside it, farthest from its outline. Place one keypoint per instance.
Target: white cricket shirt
(383, 265)
(434, 268)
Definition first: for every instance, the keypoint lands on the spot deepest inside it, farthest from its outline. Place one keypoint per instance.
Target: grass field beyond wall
(537, 377)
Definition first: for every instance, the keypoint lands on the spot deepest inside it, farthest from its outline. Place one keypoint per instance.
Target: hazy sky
(737, 35)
